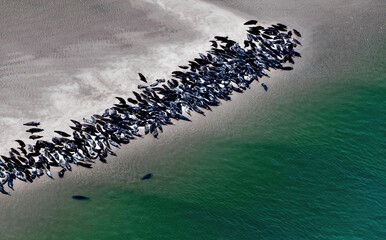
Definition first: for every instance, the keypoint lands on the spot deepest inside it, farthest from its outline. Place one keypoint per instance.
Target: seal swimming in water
(147, 176)
(80, 197)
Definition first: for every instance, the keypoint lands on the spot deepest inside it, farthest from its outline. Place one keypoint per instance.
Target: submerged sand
(55, 70)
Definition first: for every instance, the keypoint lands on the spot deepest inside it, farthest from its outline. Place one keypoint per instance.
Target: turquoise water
(310, 167)
(305, 161)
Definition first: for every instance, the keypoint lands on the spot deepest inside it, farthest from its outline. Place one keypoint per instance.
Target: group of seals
(200, 85)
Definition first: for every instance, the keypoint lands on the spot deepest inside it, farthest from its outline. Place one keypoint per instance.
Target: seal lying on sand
(227, 68)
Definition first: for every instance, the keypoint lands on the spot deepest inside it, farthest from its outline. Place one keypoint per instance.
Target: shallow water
(311, 167)
(304, 161)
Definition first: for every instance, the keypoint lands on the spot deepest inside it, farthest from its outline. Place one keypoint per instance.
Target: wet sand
(92, 88)
(73, 67)
(96, 67)
(60, 92)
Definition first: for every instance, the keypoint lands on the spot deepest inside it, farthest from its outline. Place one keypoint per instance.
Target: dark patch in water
(212, 77)
(147, 176)
(80, 197)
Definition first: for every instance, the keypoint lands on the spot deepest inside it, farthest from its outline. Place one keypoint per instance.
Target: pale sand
(80, 76)
(146, 155)
(155, 61)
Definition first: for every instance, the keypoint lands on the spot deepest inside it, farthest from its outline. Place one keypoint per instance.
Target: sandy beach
(85, 79)
(75, 66)
(92, 87)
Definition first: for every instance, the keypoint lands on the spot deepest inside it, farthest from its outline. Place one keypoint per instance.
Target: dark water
(310, 167)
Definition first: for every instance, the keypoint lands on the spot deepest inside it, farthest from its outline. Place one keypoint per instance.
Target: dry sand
(90, 86)
(68, 61)
(85, 80)
(96, 64)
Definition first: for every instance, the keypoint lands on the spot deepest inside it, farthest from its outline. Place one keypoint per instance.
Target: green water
(310, 167)
(304, 161)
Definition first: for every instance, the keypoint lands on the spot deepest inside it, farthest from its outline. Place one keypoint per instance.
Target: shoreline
(147, 143)
(254, 167)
